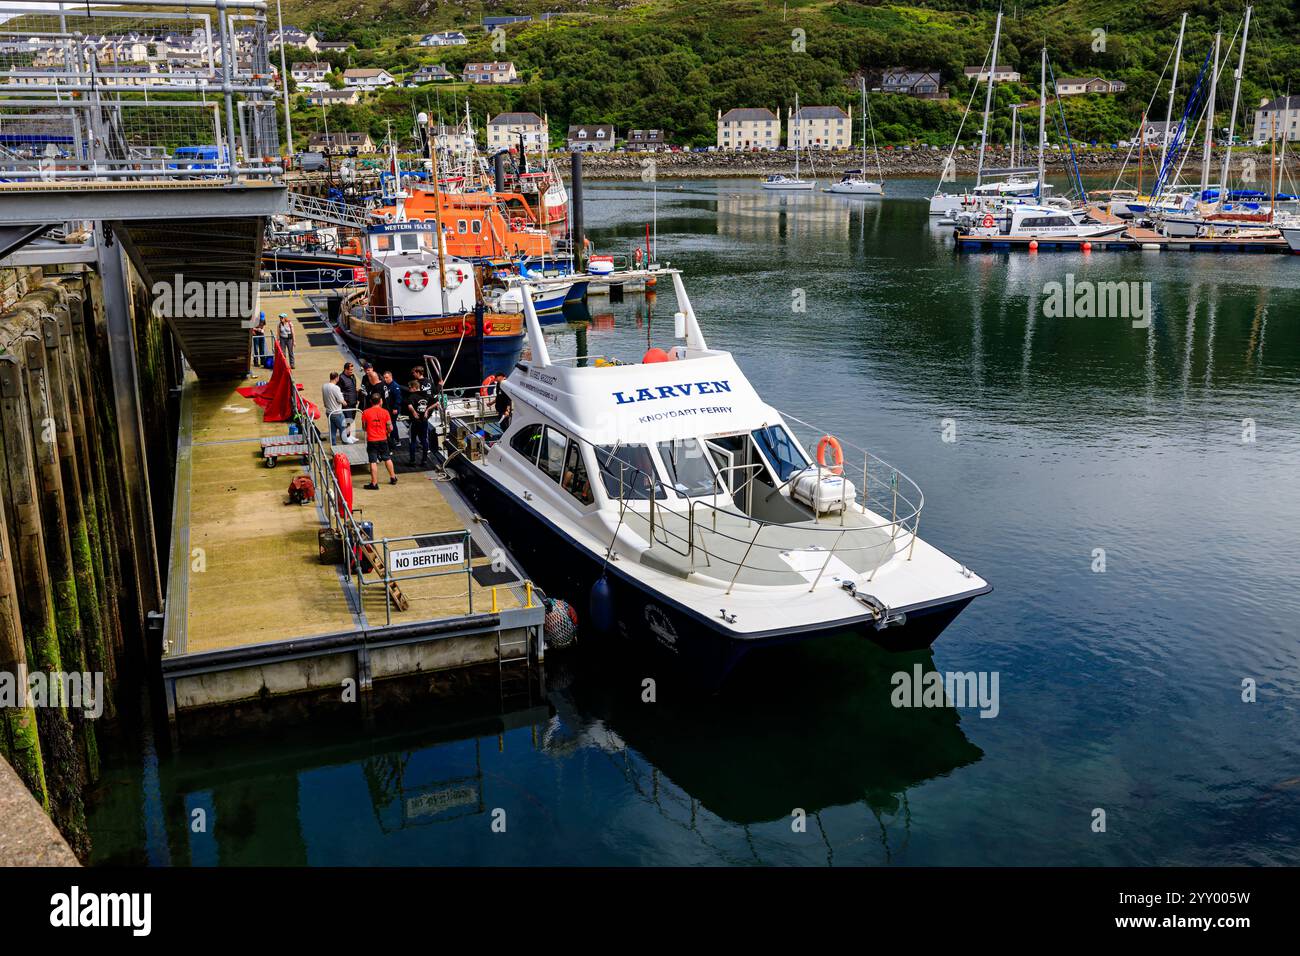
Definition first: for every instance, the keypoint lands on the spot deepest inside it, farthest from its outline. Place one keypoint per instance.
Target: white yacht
(1289, 226)
(1035, 222)
(780, 181)
(854, 181)
(666, 498)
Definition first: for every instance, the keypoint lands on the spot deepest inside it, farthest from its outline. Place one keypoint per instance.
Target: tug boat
(406, 314)
(687, 517)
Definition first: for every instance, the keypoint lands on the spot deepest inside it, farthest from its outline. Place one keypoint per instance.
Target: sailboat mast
(1169, 112)
(988, 98)
(1042, 126)
(862, 85)
(1209, 118)
(797, 135)
(437, 216)
(1232, 119)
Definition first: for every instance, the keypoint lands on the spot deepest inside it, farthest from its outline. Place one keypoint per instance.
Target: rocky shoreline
(895, 163)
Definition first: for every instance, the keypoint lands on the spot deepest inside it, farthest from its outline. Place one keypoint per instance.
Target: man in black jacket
(394, 402)
(348, 386)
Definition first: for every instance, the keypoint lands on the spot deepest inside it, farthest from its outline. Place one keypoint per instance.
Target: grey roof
(747, 113)
(591, 129)
(515, 119)
(1282, 103)
(820, 112)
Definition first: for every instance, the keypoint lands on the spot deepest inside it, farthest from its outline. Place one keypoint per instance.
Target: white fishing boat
(1290, 229)
(854, 181)
(685, 514)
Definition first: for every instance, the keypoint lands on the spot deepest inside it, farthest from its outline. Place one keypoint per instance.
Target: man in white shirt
(332, 398)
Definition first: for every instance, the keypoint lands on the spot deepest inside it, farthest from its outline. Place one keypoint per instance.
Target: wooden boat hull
(465, 355)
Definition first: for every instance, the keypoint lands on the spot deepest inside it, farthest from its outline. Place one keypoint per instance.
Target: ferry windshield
(781, 451)
(687, 467)
(626, 471)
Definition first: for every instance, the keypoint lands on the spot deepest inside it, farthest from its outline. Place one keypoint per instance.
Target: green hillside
(673, 64)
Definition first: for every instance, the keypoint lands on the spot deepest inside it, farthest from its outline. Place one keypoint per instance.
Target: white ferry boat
(685, 514)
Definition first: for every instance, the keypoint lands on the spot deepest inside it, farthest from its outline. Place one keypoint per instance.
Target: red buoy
(1087, 247)
(655, 355)
(343, 474)
(1033, 245)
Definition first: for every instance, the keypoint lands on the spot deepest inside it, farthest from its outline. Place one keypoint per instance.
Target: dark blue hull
(705, 651)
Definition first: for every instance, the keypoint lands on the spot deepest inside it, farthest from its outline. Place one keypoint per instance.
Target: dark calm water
(1119, 690)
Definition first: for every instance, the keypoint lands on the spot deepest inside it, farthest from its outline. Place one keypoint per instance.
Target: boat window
(780, 449)
(383, 243)
(410, 242)
(527, 442)
(626, 471)
(552, 459)
(687, 467)
(462, 226)
(575, 475)
(476, 227)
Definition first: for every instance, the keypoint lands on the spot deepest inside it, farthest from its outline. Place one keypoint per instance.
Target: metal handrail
(342, 519)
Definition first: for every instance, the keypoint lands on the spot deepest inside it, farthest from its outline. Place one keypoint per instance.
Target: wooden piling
(64, 763)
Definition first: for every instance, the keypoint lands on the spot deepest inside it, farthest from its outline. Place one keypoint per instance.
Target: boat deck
(245, 576)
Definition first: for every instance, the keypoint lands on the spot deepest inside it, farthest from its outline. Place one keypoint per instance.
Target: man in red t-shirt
(378, 424)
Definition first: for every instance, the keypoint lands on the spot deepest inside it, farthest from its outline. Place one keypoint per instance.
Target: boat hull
(702, 650)
(856, 189)
(465, 359)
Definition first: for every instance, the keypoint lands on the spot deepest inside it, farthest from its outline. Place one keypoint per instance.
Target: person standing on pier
(419, 406)
(393, 402)
(259, 341)
(378, 424)
(286, 336)
(332, 400)
(348, 386)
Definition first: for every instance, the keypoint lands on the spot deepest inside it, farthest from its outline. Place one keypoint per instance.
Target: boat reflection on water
(811, 729)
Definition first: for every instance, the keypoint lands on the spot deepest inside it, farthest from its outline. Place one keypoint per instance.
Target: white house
(1079, 85)
(1278, 118)
(504, 130)
(1002, 75)
(310, 75)
(489, 73)
(749, 128)
(430, 73)
(368, 79)
(444, 39)
(591, 139)
(819, 127)
(291, 36)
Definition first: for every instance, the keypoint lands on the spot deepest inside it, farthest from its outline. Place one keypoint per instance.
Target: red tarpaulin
(276, 396)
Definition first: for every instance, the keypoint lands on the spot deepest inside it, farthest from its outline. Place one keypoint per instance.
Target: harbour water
(1130, 492)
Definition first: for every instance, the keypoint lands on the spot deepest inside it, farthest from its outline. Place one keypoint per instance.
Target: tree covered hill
(673, 64)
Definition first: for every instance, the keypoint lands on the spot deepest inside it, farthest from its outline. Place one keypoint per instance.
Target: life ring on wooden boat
(455, 279)
(416, 279)
(467, 327)
(489, 384)
(517, 224)
(987, 221)
(830, 441)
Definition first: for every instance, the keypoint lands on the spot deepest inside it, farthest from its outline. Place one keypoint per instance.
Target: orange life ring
(987, 221)
(517, 224)
(830, 441)
(489, 383)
